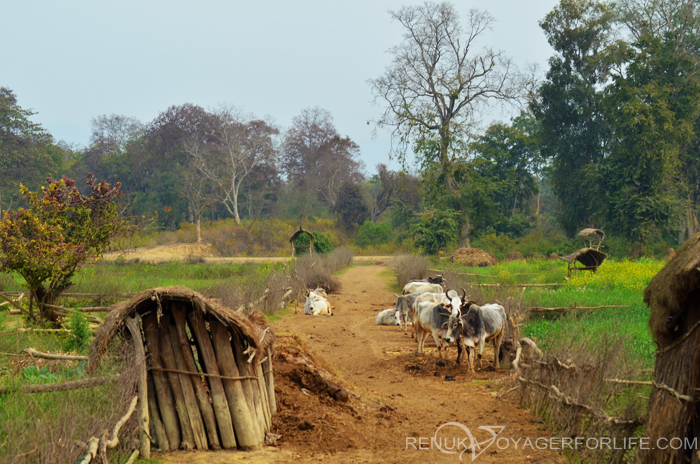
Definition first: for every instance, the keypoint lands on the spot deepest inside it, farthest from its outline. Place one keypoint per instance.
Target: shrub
(79, 337)
(409, 267)
(322, 242)
(371, 234)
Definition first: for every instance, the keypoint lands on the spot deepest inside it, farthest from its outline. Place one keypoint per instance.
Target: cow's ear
(444, 325)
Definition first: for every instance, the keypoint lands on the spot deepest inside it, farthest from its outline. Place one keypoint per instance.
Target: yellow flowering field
(628, 275)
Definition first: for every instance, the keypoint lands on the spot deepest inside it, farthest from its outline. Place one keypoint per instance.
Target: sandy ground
(398, 399)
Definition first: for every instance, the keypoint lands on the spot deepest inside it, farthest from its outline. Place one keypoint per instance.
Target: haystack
(514, 256)
(473, 257)
(674, 298)
(207, 375)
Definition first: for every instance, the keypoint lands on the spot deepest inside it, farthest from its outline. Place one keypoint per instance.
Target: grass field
(619, 283)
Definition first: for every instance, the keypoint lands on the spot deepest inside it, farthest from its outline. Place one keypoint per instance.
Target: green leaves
(436, 230)
(61, 229)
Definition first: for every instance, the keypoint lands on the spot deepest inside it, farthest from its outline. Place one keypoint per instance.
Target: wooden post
(144, 428)
(218, 395)
(249, 386)
(179, 314)
(270, 382)
(166, 402)
(168, 358)
(200, 436)
(246, 432)
(257, 368)
(156, 422)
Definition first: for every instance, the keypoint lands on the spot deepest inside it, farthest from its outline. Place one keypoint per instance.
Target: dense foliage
(48, 242)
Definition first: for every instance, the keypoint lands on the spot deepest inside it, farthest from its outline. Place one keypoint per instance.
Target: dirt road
(399, 399)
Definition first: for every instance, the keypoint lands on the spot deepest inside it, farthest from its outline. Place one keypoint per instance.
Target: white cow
(388, 317)
(422, 287)
(316, 304)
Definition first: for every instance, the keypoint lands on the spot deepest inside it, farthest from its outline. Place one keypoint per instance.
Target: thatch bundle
(207, 372)
(674, 297)
(473, 257)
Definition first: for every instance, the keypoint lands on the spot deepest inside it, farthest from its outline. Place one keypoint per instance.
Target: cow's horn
(464, 293)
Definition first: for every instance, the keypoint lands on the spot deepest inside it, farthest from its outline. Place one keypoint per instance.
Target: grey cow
(473, 327)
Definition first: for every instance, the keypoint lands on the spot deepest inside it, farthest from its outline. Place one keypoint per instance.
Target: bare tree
(196, 188)
(239, 146)
(436, 86)
(388, 183)
(317, 158)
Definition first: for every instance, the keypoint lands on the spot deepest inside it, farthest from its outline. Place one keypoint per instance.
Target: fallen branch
(517, 285)
(556, 394)
(40, 354)
(63, 386)
(9, 300)
(100, 445)
(251, 304)
(563, 309)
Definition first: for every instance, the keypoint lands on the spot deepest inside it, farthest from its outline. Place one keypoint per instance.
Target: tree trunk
(198, 227)
(464, 232)
(236, 217)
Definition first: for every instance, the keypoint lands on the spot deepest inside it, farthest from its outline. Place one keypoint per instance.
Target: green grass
(618, 282)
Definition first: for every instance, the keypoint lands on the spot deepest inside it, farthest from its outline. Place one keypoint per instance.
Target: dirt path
(379, 366)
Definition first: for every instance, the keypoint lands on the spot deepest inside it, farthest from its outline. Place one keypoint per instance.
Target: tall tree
(384, 186)
(106, 153)
(240, 144)
(435, 88)
(315, 157)
(570, 105)
(27, 151)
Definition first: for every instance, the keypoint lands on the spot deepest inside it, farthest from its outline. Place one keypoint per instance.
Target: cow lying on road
(473, 327)
(388, 317)
(317, 304)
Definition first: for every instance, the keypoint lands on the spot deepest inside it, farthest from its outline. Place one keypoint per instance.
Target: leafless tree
(383, 196)
(240, 144)
(437, 85)
(317, 158)
(196, 188)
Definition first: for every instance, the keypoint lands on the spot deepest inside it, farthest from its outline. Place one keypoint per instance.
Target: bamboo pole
(249, 385)
(263, 394)
(246, 433)
(132, 323)
(193, 411)
(168, 358)
(179, 315)
(156, 422)
(254, 391)
(166, 402)
(40, 354)
(218, 395)
(270, 382)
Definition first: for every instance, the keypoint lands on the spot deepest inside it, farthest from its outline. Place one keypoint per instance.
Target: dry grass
(408, 267)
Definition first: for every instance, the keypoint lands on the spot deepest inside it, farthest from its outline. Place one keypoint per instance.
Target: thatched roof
(588, 232)
(253, 328)
(586, 256)
(302, 231)
(671, 291)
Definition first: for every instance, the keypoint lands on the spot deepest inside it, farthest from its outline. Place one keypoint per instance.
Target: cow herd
(431, 310)
(449, 318)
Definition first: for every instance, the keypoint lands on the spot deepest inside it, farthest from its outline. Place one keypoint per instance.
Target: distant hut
(592, 238)
(207, 380)
(674, 298)
(590, 257)
(310, 246)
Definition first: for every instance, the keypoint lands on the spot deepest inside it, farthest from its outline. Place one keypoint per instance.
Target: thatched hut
(592, 238)
(674, 298)
(207, 380)
(590, 258)
(295, 247)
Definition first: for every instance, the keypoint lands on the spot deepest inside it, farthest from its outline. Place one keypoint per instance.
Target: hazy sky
(73, 60)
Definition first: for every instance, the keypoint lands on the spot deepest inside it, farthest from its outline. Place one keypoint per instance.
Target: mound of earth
(315, 411)
(473, 257)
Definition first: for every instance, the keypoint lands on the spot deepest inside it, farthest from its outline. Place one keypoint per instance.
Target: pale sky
(70, 61)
